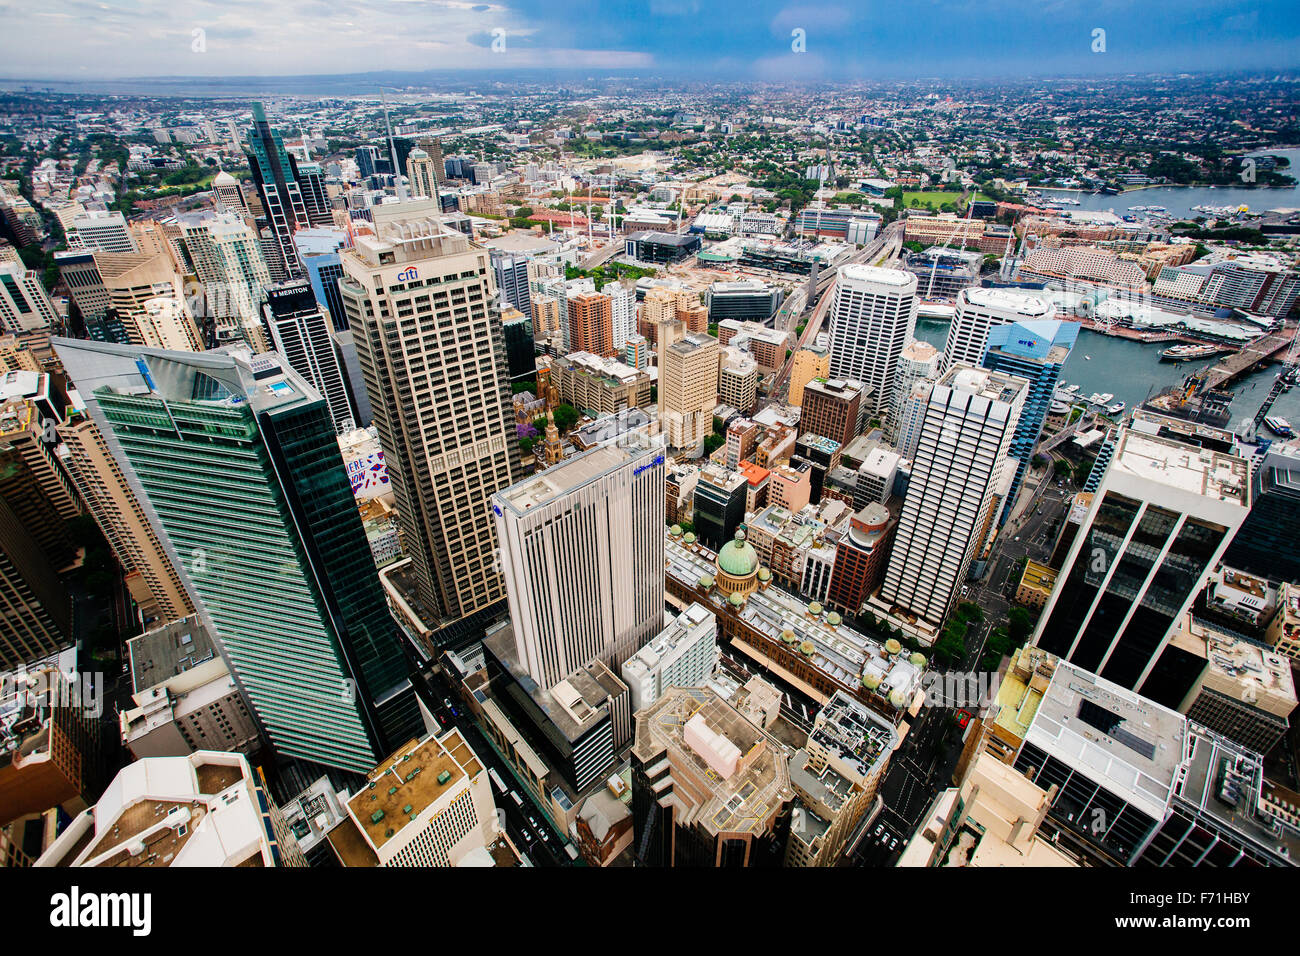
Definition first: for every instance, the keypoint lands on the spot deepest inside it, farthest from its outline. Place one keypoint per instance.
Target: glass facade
(1265, 544)
(262, 558)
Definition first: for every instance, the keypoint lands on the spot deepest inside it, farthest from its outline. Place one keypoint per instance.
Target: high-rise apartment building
(979, 310)
(228, 259)
(318, 251)
(688, 384)
(235, 460)
(1035, 351)
(591, 324)
(582, 550)
(1160, 519)
(872, 318)
(919, 362)
(424, 169)
(738, 379)
(832, 409)
(299, 330)
(432, 353)
(965, 438)
(35, 606)
(810, 362)
(229, 195)
(622, 305)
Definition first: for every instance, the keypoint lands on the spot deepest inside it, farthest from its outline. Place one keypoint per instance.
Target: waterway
(1179, 200)
(1132, 372)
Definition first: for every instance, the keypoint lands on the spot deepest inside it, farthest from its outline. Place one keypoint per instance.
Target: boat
(1116, 408)
(1279, 426)
(1087, 358)
(1072, 388)
(1188, 353)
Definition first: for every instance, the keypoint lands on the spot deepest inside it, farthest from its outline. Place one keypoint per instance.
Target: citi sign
(407, 274)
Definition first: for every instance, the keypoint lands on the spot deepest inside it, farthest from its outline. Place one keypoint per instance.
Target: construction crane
(1285, 379)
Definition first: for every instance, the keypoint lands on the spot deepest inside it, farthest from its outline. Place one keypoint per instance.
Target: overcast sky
(84, 39)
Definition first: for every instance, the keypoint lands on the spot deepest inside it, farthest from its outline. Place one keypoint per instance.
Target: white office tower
(979, 310)
(872, 318)
(24, 304)
(300, 331)
(956, 475)
(1159, 521)
(101, 230)
(582, 552)
(688, 384)
(227, 256)
(683, 654)
(622, 301)
(228, 194)
(919, 362)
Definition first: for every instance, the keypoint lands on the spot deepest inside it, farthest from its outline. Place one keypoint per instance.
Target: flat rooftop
(1188, 468)
(573, 473)
(169, 651)
(1010, 300)
(1113, 736)
(407, 783)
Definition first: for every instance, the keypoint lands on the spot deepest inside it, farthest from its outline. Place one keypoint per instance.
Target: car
(893, 844)
(963, 718)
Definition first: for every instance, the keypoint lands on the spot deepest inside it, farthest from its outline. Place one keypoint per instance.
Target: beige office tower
(150, 574)
(133, 278)
(688, 384)
(546, 314)
(422, 173)
(432, 353)
(165, 323)
(810, 362)
(227, 257)
(17, 356)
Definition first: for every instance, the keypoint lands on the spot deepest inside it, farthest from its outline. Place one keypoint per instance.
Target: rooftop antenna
(392, 151)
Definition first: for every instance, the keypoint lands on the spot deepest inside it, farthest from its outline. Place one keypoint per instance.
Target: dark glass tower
(1265, 544)
(236, 462)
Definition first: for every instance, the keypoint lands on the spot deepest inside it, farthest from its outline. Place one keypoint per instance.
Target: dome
(706, 581)
(808, 647)
(737, 599)
(833, 619)
(870, 681)
(892, 647)
(764, 574)
(675, 530)
(815, 608)
(688, 538)
(918, 659)
(738, 558)
(788, 636)
(897, 698)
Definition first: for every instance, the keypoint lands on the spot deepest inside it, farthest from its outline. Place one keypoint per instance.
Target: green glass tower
(234, 459)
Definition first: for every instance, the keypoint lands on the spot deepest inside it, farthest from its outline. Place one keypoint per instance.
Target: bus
(497, 781)
(515, 797)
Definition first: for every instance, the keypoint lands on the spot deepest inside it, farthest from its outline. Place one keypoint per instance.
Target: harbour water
(1132, 372)
(1179, 200)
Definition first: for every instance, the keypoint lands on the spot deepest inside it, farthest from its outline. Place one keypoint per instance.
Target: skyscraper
(979, 310)
(235, 461)
(423, 173)
(511, 273)
(1265, 544)
(919, 361)
(1035, 351)
(1161, 517)
(300, 331)
(969, 422)
(287, 204)
(228, 259)
(582, 549)
(810, 362)
(24, 304)
(688, 384)
(872, 318)
(432, 352)
(318, 251)
(591, 326)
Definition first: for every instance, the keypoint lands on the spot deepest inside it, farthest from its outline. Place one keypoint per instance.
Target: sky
(798, 40)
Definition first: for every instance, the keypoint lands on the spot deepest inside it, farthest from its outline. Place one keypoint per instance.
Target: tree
(712, 442)
(1019, 625)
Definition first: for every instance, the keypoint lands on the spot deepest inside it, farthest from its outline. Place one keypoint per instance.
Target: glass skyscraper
(1035, 351)
(1266, 543)
(235, 460)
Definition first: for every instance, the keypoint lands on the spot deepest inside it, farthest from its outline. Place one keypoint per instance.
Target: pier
(1233, 366)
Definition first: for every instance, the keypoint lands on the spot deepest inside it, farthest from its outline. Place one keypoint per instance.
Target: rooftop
(1111, 735)
(1187, 468)
(571, 474)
